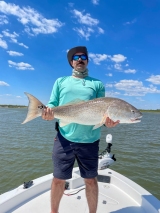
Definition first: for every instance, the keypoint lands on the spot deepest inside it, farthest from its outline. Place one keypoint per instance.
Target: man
(75, 141)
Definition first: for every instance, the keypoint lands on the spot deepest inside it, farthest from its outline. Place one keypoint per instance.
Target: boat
(117, 193)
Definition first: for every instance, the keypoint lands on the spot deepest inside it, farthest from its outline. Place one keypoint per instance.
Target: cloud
(135, 88)
(20, 44)
(96, 2)
(130, 22)
(118, 66)
(2, 83)
(3, 44)
(71, 4)
(97, 58)
(88, 25)
(100, 30)
(130, 71)
(84, 32)
(20, 66)
(13, 53)
(10, 35)
(109, 85)
(85, 19)
(111, 93)
(154, 79)
(3, 19)
(13, 36)
(33, 21)
(118, 58)
(109, 74)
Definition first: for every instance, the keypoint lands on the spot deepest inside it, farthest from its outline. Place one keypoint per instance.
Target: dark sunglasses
(76, 57)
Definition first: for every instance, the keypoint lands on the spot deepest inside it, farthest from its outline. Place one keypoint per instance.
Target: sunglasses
(76, 57)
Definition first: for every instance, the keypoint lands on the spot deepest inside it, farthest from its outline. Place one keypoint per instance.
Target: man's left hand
(109, 123)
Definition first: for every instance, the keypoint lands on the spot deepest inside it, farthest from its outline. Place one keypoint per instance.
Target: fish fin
(97, 126)
(63, 123)
(35, 108)
(101, 123)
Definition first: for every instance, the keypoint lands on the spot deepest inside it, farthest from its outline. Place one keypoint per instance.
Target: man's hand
(48, 114)
(109, 123)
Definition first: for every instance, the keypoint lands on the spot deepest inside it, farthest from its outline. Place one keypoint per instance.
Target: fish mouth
(135, 120)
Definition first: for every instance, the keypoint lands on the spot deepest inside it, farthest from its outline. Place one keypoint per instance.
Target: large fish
(92, 112)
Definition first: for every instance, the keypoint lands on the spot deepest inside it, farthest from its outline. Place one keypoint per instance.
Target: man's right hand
(48, 114)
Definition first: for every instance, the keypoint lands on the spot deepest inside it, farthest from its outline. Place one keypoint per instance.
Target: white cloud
(13, 36)
(111, 94)
(85, 19)
(31, 19)
(118, 58)
(118, 66)
(20, 66)
(10, 35)
(130, 22)
(3, 44)
(2, 83)
(140, 99)
(14, 53)
(154, 79)
(84, 32)
(109, 85)
(3, 19)
(97, 58)
(130, 71)
(100, 30)
(95, 2)
(88, 24)
(135, 88)
(109, 74)
(20, 44)
(71, 4)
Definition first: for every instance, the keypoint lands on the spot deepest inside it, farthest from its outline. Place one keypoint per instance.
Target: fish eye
(133, 111)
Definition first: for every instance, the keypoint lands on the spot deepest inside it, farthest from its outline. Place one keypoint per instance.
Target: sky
(122, 38)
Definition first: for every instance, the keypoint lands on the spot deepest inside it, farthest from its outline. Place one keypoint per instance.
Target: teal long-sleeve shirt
(68, 89)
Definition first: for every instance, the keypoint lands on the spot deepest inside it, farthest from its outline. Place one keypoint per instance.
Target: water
(25, 150)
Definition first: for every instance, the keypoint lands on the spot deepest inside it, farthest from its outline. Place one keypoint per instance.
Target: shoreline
(12, 106)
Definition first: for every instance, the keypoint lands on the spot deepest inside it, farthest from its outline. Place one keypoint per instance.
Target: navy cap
(74, 50)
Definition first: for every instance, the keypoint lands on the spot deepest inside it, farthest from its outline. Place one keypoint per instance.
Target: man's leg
(57, 190)
(92, 194)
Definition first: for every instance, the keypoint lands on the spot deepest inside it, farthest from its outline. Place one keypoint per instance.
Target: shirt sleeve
(54, 98)
(101, 91)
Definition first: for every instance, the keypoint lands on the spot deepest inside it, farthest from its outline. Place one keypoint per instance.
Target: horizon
(122, 39)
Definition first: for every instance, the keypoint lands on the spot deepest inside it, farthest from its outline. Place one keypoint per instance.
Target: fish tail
(35, 108)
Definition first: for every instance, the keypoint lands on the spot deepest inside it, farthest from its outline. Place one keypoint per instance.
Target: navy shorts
(65, 152)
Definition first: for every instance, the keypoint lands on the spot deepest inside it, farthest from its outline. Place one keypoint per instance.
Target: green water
(25, 150)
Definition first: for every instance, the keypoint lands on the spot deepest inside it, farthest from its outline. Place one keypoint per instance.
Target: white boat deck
(110, 200)
(121, 195)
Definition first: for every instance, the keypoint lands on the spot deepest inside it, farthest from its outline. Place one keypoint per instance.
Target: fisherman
(75, 141)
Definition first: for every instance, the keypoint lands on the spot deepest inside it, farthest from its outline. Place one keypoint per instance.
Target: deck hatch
(104, 179)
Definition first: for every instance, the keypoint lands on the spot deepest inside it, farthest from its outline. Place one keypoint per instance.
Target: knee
(91, 181)
(57, 181)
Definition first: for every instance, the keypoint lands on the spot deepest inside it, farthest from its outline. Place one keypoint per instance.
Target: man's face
(78, 63)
